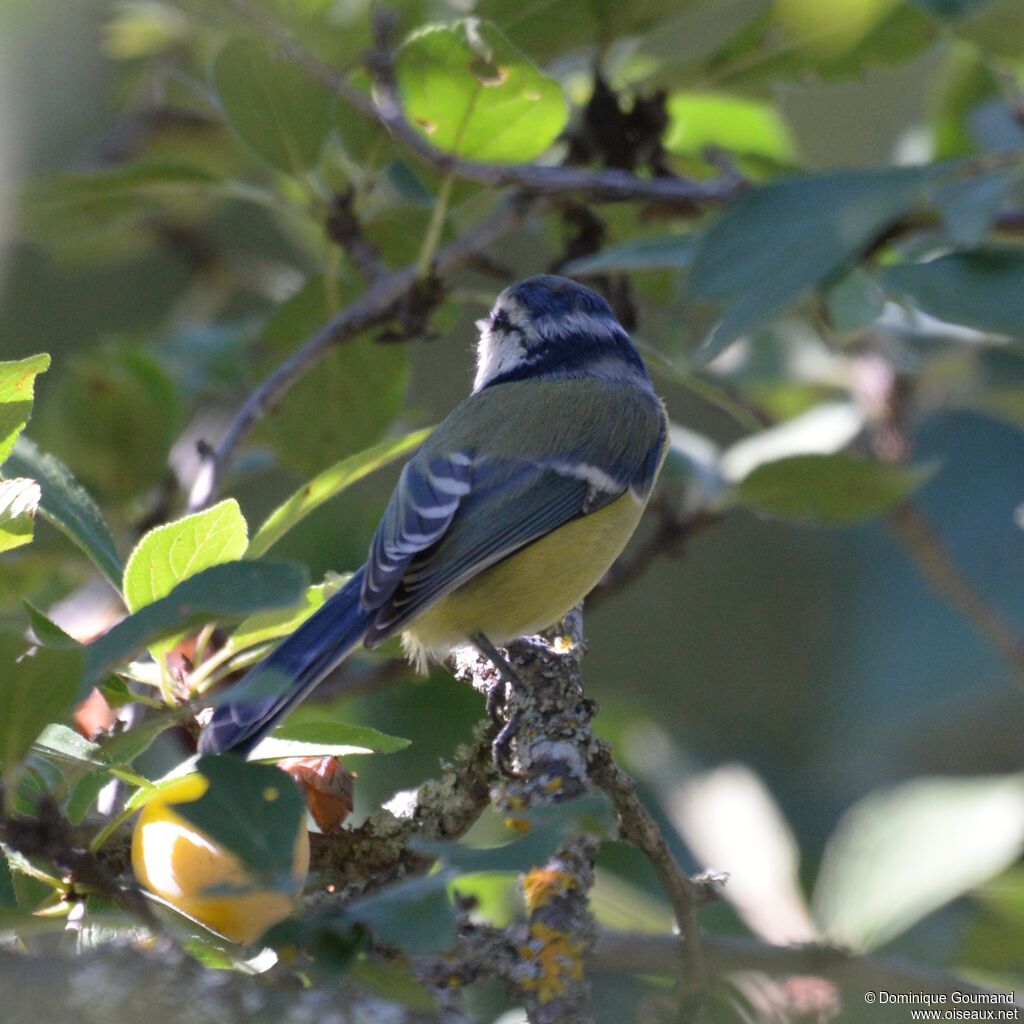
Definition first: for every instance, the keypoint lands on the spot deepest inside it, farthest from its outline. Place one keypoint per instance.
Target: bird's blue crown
(549, 326)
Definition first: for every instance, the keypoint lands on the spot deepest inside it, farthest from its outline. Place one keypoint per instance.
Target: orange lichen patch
(554, 784)
(520, 825)
(542, 885)
(558, 958)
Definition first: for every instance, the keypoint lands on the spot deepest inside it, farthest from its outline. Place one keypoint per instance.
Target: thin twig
(379, 303)
(925, 547)
(599, 185)
(639, 828)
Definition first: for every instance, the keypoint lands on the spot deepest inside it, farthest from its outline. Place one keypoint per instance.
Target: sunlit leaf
(904, 852)
(171, 553)
(17, 384)
(19, 499)
(471, 93)
(67, 505)
(736, 124)
(325, 738)
(278, 110)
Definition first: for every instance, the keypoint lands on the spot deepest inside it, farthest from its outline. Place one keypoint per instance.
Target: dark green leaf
(471, 93)
(328, 484)
(68, 506)
(34, 690)
(46, 631)
(278, 110)
(115, 415)
(414, 915)
(17, 386)
(854, 301)
(321, 738)
(969, 206)
(84, 203)
(828, 488)
(658, 253)
(779, 240)
(222, 593)
(952, 9)
(981, 289)
(347, 404)
(7, 898)
(253, 810)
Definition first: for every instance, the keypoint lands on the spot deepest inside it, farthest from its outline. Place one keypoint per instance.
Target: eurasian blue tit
(506, 517)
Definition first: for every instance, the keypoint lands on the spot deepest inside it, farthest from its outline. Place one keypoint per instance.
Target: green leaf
(828, 489)
(34, 690)
(325, 738)
(471, 93)
(779, 240)
(78, 203)
(221, 593)
(348, 403)
(854, 301)
(278, 111)
(171, 553)
(17, 386)
(19, 499)
(326, 485)
(981, 289)
(67, 505)
(266, 626)
(46, 631)
(414, 915)
(969, 207)
(737, 124)
(904, 852)
(253, 810)
(952, 9)
(657, 253)
(115, 415)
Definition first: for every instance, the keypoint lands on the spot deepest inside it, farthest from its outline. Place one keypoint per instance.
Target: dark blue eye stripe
(572, 355)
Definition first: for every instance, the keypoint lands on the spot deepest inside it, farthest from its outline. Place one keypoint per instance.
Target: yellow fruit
(180, 864)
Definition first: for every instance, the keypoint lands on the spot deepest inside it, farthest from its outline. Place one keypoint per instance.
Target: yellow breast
(531, 589)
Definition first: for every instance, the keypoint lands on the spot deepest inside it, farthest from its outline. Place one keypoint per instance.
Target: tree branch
(384, 106)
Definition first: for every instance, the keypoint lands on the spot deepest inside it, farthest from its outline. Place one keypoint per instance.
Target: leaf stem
(432, 239)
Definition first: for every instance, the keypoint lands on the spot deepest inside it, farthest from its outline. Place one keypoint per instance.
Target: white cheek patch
(498, 353)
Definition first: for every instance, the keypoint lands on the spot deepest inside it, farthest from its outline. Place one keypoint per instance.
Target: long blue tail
(286, 676)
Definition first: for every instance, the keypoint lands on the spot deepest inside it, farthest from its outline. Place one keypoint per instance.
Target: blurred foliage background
(796, 680)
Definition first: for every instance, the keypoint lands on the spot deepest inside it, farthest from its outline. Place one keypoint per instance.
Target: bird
(505, 518)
